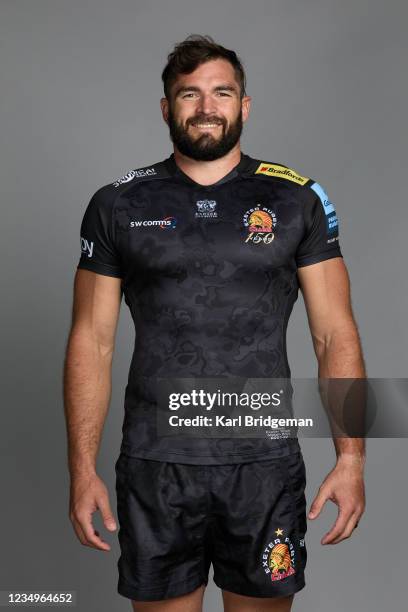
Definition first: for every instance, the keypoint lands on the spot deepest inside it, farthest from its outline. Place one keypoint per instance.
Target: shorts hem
(279, 590)
(183, 587)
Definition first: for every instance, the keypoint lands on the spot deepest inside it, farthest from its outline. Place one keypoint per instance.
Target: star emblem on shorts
(279, 532)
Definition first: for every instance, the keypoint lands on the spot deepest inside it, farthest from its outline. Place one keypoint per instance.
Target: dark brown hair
(193, 51)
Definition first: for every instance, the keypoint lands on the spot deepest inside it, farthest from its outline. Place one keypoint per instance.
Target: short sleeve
(321, 237)
(98, 251)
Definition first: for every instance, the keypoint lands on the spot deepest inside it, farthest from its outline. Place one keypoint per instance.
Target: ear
(245, 105)
(164, 105)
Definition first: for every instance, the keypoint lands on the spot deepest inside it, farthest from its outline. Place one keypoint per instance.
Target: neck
(208, 172)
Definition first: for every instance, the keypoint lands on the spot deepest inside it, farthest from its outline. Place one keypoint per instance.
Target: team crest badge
(260, 222)
(206, 209)
(278, 558)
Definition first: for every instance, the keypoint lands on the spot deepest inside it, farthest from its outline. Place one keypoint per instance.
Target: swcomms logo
(166, 223)
(86, 247)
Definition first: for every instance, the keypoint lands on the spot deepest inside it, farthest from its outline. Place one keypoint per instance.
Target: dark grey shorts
(248, 520)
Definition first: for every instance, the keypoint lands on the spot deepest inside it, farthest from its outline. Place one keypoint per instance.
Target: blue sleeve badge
(331, 217)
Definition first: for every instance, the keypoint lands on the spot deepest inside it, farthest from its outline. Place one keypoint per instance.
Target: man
(209, 248)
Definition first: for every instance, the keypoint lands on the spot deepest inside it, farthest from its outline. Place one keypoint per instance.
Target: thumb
(317, 505)
(106, 512)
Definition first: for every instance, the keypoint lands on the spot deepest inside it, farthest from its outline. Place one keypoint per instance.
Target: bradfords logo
(260, 222)
(278, 559)
(282, 172)
(166, 223)
(87, 246)
(132, 174)
(206, 209)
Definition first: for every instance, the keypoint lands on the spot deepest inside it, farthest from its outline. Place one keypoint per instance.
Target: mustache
(215, 120)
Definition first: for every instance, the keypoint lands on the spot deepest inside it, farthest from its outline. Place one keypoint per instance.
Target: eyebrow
(184, 89)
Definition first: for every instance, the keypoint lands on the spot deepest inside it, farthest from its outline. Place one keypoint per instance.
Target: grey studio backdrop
(80, 88)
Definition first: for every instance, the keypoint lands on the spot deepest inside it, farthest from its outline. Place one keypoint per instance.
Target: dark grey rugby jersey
(209, 274)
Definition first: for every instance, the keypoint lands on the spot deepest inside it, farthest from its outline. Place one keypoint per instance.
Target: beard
(204, 147)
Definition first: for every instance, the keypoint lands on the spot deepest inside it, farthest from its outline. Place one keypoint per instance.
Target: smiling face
(205, 113)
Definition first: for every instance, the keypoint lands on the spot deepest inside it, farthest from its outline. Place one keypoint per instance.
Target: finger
(339, 525)
(351, 525)
(79, 532)
(106, 512)
(318, 503)
(91, 538)
(81, 535)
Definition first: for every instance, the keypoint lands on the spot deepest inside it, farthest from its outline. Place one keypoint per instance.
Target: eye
(224, 93)
(189, 95)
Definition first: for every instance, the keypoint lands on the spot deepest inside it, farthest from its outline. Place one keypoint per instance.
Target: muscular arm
(87, 390)
(87, 373)
(326, 291)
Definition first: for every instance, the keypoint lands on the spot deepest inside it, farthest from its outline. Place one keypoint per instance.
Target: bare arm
(87, 390)
(326, 291)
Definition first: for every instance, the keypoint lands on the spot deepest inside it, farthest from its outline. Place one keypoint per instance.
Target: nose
(206, 104)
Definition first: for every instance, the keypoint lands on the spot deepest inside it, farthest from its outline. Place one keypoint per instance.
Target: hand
(88, 494)
(344, 486)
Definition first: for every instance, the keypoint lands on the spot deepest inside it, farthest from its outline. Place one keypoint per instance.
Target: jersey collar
(242, 165)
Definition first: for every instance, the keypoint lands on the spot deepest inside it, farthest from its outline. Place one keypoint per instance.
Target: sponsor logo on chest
(206, 209)
(165, 223)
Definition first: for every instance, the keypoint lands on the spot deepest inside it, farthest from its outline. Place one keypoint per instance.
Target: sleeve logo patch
(87, 246)
(129, 176)
(281, 172)
(331, 217)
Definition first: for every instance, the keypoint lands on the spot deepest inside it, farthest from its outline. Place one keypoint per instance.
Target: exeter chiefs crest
(260, 222)
(279, 557)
